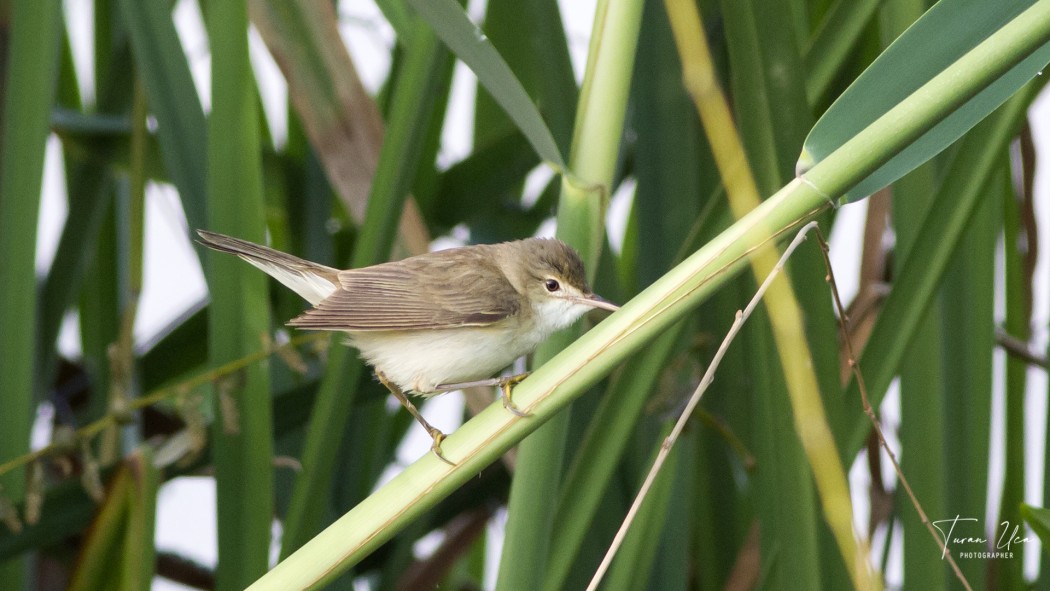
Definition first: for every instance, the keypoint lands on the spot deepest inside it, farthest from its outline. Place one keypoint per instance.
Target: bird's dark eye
(552, 285)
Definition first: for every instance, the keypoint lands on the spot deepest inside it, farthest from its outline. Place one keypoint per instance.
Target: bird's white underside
(421, 360)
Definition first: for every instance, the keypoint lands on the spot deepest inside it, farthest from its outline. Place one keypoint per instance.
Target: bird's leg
(505, 384)
(434, 432)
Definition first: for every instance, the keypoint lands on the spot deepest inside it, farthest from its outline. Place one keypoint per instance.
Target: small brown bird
(439, 321)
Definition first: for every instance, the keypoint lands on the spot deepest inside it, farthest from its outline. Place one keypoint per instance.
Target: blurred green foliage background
(225, 391)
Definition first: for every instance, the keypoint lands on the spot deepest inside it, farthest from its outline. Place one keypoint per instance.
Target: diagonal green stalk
(548, 390)
(557, 383)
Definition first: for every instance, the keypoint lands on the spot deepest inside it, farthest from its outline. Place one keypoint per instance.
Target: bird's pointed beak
(597, 301)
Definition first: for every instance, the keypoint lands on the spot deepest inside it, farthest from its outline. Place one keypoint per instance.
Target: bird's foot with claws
(505, 386)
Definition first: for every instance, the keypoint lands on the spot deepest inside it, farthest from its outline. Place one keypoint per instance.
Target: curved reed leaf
(959, 26)
(471, 46)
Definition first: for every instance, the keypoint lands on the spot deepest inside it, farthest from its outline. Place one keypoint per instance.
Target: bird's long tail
(312, 281)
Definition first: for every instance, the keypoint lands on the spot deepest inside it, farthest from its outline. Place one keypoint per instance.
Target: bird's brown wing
(424, 292)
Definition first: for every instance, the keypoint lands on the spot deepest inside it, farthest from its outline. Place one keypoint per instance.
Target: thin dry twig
(1019, 349)
(868, 410)
(694, 400)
